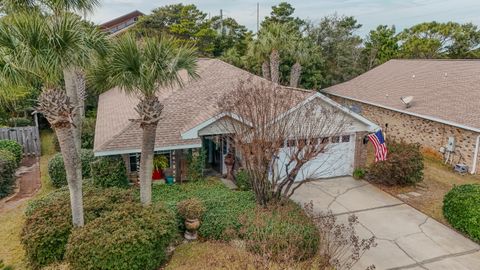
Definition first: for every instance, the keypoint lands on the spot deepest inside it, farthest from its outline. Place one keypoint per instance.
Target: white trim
(475, 156)
(431, 118)
(193, 132)
(132, 151)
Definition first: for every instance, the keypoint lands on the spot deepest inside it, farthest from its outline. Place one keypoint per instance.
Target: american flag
(379, 145)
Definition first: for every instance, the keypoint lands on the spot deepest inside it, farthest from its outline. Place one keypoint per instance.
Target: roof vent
(413, 76)
(407, 101)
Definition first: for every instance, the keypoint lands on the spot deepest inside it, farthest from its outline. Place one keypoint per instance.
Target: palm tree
(274, 38)
(300, 52)
(36, 47)
(143, 68)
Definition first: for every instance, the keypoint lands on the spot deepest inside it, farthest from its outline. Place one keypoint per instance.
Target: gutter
(446, 122)
(475, 157)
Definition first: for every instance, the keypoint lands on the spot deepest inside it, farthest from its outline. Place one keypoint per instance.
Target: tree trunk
(72, 165)
(149, 109)
(275, 66)
(71, 88)
(295, 74)
(146, 162)
(58, 110)
(266, 70)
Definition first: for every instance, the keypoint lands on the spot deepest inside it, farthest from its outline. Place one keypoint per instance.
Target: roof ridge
(435, 59)
(262, 78)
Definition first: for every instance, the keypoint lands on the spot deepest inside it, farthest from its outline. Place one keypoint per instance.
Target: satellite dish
(407, 100)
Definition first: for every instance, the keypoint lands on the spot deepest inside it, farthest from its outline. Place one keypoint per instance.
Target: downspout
(475, 157)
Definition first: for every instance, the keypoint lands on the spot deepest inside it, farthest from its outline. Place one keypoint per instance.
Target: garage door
(336, 161)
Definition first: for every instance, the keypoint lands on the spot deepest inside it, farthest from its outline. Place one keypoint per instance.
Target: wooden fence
(28, 137)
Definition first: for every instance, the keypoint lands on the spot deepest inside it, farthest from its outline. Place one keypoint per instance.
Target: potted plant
(191, 210)
(159, 164)
(168, 176)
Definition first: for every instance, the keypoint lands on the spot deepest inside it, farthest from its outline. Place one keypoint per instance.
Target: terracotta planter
(192, 226)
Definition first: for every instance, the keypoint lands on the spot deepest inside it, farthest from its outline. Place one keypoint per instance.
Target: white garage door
(336, 161)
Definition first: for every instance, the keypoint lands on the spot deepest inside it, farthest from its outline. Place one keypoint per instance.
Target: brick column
(360, 159)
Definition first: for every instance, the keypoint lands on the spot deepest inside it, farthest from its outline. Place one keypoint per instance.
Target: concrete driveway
(406, 238)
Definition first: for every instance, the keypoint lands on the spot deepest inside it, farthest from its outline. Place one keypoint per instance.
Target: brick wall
(360, 160)
(430, 134)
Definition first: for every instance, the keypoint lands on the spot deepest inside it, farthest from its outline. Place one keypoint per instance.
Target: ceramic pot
(192, 226)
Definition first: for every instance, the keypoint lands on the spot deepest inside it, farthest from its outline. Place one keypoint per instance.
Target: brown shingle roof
(443, 90)
(184, 108)
(121, 19)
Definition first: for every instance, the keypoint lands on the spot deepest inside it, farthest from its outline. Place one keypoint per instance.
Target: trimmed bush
(196, 165)
(8, 165)
(88, 132)
(404, 165)
(223, 207)
(49, 222)
(19, 122)
(15, 148)
(461, 208)
(109, 172)
(359, 173)
(281, 233)
(131, 237)
(243, 181)
(56, 167)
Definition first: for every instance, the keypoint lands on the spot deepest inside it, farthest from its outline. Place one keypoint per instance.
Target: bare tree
(278, 132)
(340, 245)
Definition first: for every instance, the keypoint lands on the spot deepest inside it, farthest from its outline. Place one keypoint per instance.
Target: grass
(438, 180)
(12, 219)
(219, 255)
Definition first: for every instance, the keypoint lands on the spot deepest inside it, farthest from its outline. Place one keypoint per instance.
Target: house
(121, 23)
(191, 121)
(432, 102)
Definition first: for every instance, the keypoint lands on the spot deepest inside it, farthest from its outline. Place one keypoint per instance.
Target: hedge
(404, 165)
(8, 165)
(131, 237)
(56, 167)
(49, 223)
(19, 122)
(15, 148)
(461, 208)
(282, 233)
(109, 172)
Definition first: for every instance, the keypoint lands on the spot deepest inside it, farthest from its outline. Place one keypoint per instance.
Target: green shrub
(8, 165)
(404, 165)
(359, 173)
(191, 208)
(461, 208)
(15, 148)
(196, 165)
(243, 181)
(109, 172)
(19, 122)
(223, 207)
(49, 223)
(131, 237)
(56, 167)
(281, 233)
(88, 132)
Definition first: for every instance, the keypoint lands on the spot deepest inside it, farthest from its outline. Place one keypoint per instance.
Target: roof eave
(431, 118)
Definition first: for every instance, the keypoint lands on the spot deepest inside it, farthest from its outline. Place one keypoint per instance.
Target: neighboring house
(443, 116)
(121, 23)
(191, 120)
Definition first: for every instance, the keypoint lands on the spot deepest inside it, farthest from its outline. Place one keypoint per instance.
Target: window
(335, 139)
(134, 161)
(345, 138)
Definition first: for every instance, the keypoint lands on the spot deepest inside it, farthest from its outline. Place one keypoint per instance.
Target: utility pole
(258, 16)
(221, 21)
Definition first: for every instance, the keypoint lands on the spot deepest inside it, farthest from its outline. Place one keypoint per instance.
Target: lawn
(11, 221)
(438, 180)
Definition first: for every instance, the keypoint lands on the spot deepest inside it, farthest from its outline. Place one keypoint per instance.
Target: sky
(369, 13)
